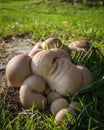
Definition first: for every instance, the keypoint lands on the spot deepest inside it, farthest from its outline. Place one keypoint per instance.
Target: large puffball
(55, 67)
(18, 69)
(29, 92)
(86, 76)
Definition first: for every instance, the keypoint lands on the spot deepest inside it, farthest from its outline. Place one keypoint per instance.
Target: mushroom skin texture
(18, 69)
(81, 46)
(44, 62)
(62, 115)
(86, 76)
(51, 43)
(75, 106)
(52, 96)
(35, 49)
(58, 104)
(28, 94)
(36, 83)
(55, 67)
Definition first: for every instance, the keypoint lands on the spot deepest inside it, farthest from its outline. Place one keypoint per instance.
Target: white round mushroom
(62, 115)
(18, 69)
(29, 93)
(58, 104)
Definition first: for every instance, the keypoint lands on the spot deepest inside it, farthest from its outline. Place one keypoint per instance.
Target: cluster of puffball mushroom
(46, 76)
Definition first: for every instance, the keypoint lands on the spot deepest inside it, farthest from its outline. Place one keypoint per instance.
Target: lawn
(43, 19)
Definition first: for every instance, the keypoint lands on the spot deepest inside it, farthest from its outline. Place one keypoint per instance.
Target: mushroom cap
(52, 96)
(75, 106)
(18, 69)
(62, 115)
(35, 82)
(35, 49)
(51, 43)
(28, 97)
(58, 104)
(43, 63)
(86, 76)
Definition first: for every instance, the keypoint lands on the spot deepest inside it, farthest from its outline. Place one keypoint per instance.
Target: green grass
(42, 20)
(39, 20)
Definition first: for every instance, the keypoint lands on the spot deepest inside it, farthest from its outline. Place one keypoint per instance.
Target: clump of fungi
(53, 66)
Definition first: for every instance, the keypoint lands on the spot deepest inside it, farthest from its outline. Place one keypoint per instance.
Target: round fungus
(58, 104)
(59, 72)
(29, 94)
(18, 69)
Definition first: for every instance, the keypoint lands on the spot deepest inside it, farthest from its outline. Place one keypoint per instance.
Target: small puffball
(86, 76)
(29, 96)
(62, 115)
(35, 49)
(52, 96)
(18, 69)
(80, 46)
(58, 104)
(75, 106)
(36, 83)
(51, 43)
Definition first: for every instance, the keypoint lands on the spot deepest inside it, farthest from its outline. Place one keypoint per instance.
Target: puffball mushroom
(59, 72)
(58, 104)
(30, 92)
(18, 69)
(51, 43)
(62, 115)
(52, 96)
(86, 76)
(80, 46)
(36, 83)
